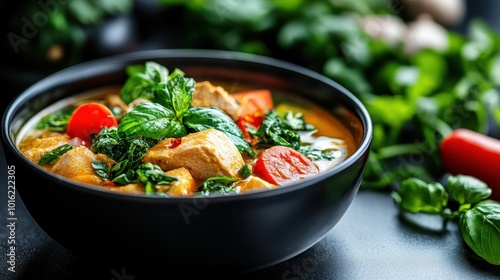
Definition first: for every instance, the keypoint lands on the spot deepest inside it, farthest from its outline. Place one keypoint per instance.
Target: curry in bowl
(165, 134)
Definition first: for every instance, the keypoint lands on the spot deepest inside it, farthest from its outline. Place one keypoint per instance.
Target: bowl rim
(94, 67)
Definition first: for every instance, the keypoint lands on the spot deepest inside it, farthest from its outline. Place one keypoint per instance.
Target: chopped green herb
(57, 121)
(220, 184)
(52, 156)
(245, 171)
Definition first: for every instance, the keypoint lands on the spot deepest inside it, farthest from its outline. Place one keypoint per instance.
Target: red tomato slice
(254, 101)
(89, 119)
(471, 153)
(279, 165)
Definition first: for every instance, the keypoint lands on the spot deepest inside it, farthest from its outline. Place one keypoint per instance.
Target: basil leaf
(176, 94)
(143, 80)
(151, 120)
(202, 118)
(52, 156)
(417, 196)
(480, 229)
(467, 190)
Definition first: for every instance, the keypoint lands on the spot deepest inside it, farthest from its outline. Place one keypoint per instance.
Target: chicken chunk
(35, 147)
(207, 95)
(185, 184)
(253, 183)
(205, 154)
(76, 164)
(130, 188)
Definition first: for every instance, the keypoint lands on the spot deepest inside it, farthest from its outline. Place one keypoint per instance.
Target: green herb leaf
(220, 184)
(100, 169)
(142, 81)
(151, 120)
(52, 156)
(316, 154)
(296, 122)
(176, 94)
(152, 175)
(417, 196)
(109, 142)
(57, 121)
(275, 131)
(480, 229)
(201, 118)
(245, 171)
(467, 190)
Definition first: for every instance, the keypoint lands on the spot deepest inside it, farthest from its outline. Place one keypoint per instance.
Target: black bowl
(234, 233)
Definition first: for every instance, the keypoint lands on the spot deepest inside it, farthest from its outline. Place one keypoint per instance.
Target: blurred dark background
(41, 37)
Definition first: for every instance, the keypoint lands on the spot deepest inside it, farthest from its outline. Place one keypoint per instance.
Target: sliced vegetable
(279, 165)
(254, 101)
(89, 119)
(471, 153)
(250, 122)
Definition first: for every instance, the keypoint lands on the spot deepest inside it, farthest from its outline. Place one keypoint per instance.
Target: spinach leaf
(151, 175)
(480, 229)
(52, 156)
(151, 120)
(467, 190)
(57, 121)
(417, 196)
(201, 118)
(109, 142)
(127, 152)
(142, 81)
(100, 169)
(220, 184)
(275, 131)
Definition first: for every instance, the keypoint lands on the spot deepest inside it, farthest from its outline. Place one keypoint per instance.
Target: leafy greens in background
(64, 32)
(430, 92)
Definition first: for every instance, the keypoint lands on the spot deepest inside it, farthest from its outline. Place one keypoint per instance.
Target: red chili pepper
(175, 143)
(471, 153)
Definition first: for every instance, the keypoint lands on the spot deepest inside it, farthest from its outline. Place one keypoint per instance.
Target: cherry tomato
(89, 119)
(254, 101)
(279, 165)
(471, 153)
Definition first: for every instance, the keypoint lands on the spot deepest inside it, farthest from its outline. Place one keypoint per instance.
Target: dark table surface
(371, 241)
